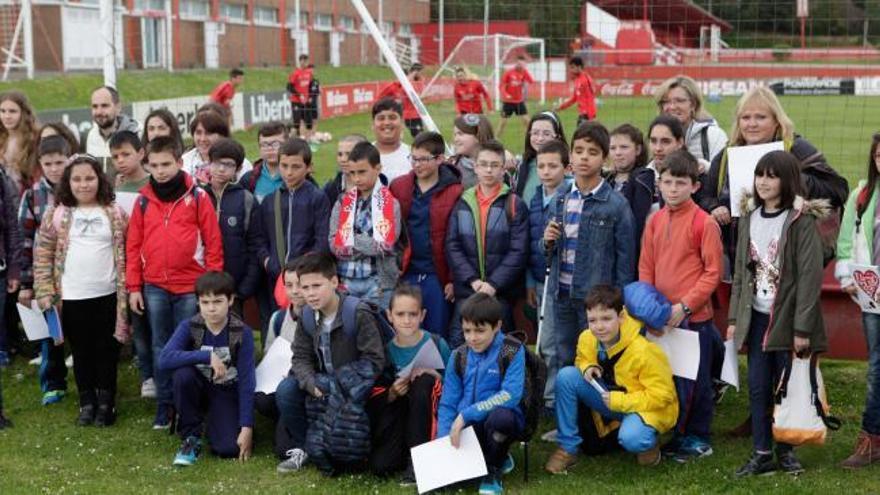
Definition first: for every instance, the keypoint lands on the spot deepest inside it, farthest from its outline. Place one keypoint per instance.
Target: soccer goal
(488, 56)
(16, 37)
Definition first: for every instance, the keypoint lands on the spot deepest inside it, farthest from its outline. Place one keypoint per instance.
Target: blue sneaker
(53, 396)
(693, 447)
(491, 485)
(4, 359)
(508, 465)
(189, 452)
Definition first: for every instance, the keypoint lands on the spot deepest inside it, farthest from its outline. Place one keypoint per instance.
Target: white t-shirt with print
(89, 268)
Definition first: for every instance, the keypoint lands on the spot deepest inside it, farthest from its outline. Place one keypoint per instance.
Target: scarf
(382, 210)
(171, 190)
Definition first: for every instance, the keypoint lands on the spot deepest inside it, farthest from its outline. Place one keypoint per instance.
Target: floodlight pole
(28, 41)
(442, 28)
(106, 15)
(395, 65)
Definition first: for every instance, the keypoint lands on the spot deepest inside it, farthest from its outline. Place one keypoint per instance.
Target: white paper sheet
(682, 348)
(867, 280)
(437, 463)
(33, 321)
(730, 368)
(126, 201)
(274, 367)
(741, 161)
(428, 358)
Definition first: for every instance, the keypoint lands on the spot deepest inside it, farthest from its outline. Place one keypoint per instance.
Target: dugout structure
(486, 56)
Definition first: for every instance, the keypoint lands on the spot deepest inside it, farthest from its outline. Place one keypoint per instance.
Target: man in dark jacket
(427, 196)
(333, 370)
(487, 242)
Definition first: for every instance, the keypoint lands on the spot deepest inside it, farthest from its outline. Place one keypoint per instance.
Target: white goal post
(487, 56)
(17, 47)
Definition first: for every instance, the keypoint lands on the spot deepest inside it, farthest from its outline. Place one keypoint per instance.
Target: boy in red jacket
(427, 196)
(173, 238)
(681, 257)
(469, 93)
(584, 92)
(513, 93)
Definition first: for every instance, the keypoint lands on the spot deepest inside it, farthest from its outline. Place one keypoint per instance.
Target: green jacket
(796, 309)
(855, 244)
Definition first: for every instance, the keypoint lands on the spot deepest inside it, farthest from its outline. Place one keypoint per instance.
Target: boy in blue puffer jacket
(234, 205)
(487, 240)
(483, 388)
(552, 158)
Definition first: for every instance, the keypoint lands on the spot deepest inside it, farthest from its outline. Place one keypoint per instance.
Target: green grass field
(46, 453)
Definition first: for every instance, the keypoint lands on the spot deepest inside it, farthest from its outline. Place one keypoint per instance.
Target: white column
(106, 15)
(28, 33)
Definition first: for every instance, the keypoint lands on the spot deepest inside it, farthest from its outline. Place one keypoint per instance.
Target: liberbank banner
(251, 109)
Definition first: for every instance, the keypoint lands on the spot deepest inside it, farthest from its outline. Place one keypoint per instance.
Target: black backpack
(532, 402)
(348, 311)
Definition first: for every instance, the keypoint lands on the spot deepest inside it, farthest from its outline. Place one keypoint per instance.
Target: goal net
(487, 57)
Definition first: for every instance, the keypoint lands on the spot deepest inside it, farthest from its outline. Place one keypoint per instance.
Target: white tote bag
(800, 416)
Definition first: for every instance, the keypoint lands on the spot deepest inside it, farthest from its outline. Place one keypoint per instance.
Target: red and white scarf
(382, 211)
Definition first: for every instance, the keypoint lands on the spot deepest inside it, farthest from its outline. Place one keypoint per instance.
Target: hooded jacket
(796, 309)
(170, 245)
(855, 244)
(642, 372)
(445, 195)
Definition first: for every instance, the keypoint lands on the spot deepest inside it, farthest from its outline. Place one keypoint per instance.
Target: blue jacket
(606, 246)
(482, 388)
(502, 260)
(181, 350)
(238, 243)
(540, 213)
(639, 193)
(304, 221)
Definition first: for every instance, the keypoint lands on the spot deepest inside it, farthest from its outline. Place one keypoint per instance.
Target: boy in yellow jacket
(623, 381)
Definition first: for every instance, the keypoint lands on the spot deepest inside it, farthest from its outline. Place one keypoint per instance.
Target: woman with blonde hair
(681, 98)
(18, 137)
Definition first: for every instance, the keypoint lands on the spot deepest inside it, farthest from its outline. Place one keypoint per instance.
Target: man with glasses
(265, 178)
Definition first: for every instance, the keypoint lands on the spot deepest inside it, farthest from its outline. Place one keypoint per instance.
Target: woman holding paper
(79, 262)
(774, 302)
(681, 98)
(858, 251)
(759, 119)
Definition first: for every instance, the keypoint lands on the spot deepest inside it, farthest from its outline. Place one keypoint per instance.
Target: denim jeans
(368, 290)
(202, 405)
(548, 344)
(143, 345)
(765, 368)
(433, 301)
(871, 416)
(5, 333)
(571, 320)
(291, 402)
(164, 312)
(696, 398)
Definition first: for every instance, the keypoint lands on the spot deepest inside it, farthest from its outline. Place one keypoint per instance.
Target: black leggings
(88, 325)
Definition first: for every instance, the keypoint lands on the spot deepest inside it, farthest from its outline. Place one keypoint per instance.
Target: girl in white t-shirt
(79, 263)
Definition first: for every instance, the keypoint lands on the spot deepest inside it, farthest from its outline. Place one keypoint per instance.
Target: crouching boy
(620, 380)
(483, 389)
(337, 356)
(211, 358)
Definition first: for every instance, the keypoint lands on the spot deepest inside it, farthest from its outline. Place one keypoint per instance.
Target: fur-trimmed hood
(819, 208)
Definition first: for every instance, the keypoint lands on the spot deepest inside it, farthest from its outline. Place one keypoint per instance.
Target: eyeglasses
(273, 145)
(222, 165)
(416, 160)
(540, 134)
(489, 165)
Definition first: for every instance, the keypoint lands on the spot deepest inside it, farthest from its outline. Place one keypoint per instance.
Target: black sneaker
(86, 415)
(788, 463)
(408, 478)
(718, 389)
(5, 422)
(757, 465)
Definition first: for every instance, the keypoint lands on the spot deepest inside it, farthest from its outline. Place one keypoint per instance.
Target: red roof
(675, 21)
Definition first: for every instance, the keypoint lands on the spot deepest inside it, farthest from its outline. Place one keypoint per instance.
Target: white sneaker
(294, 462)
(148, 389)
(69, 361)
(36, 361)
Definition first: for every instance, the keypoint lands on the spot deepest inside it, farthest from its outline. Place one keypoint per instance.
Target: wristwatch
(686, 309)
